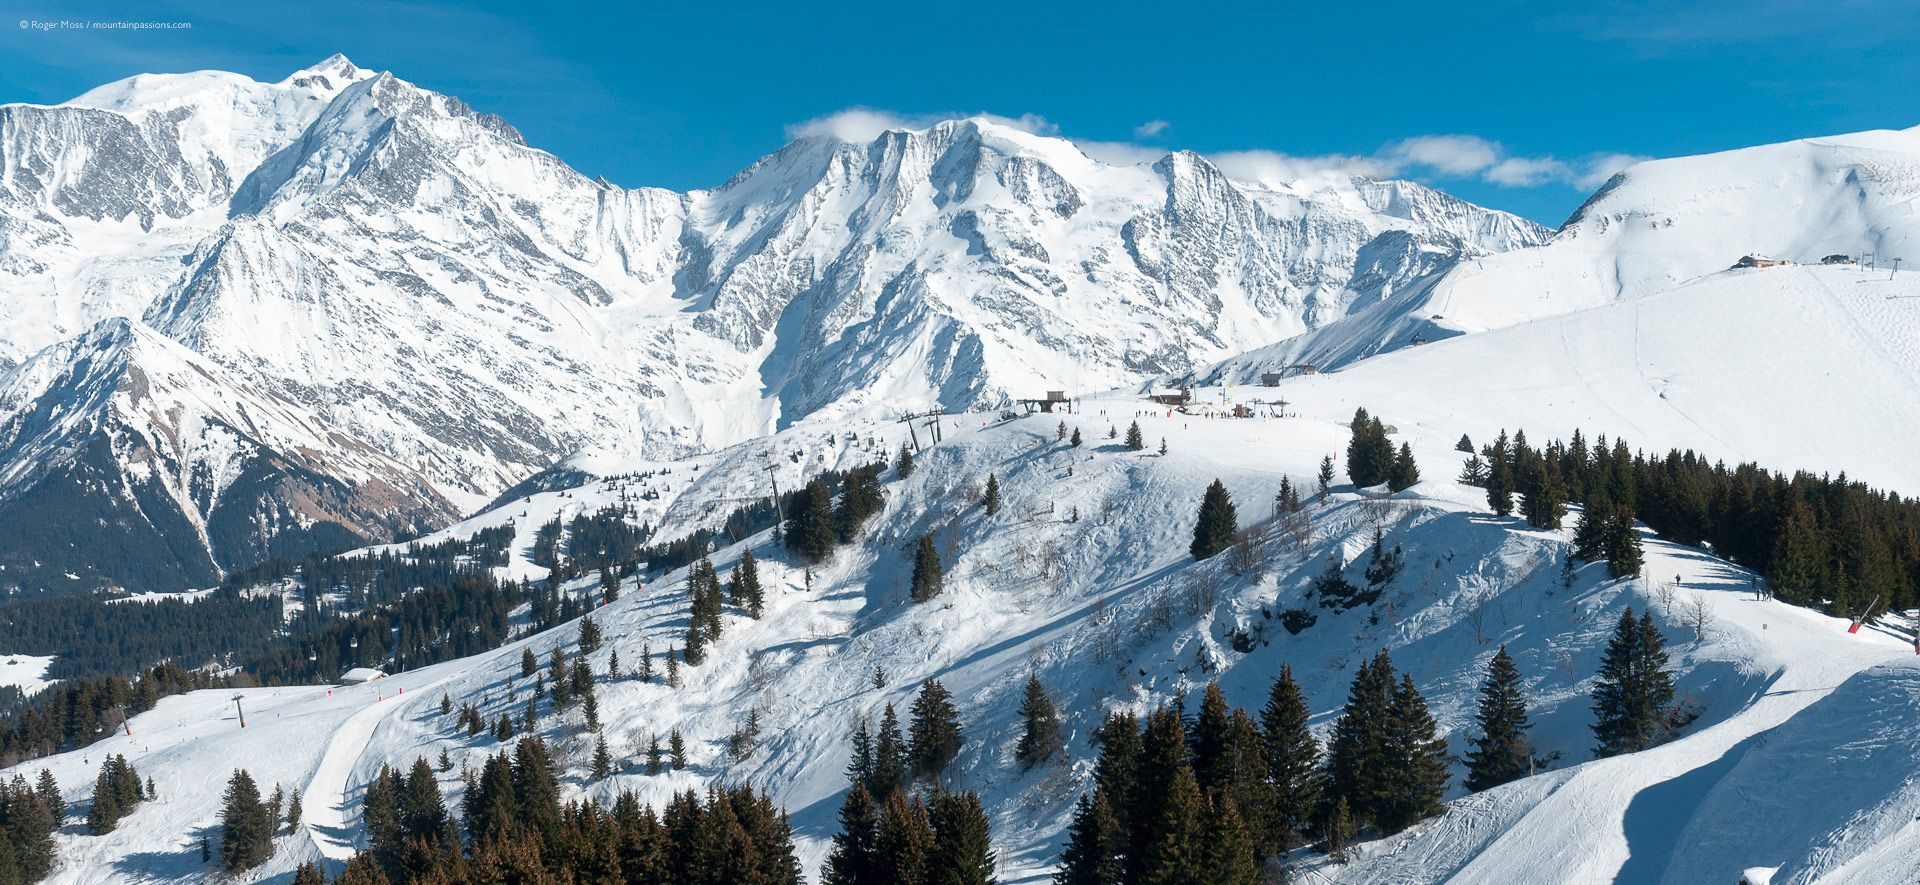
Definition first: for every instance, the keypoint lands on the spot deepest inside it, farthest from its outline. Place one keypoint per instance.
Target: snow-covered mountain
(413, 274)
(1655, 227)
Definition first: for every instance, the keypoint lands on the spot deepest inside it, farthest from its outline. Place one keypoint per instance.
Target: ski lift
(312, 655)
(353, 642)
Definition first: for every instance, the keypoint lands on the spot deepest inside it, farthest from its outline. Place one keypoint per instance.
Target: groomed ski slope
(1109, 610)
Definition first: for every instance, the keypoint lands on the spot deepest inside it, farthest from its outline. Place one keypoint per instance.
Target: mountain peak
(331, 74)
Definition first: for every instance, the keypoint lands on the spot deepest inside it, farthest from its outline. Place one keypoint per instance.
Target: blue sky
(1517, 105)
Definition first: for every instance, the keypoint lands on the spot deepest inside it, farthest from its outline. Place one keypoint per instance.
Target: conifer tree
(49, 791)
(1358, 749)
(1217, 523)
(1074, 441)
(1500, 754)
(1135, 442)
(1324, 479)
(860, 755)
(891, 757)
(602, 758)
(293, 811)
(992, 499)
(309, 873)
(673, 667)
(613, 665)
(1060, 432)
(1229, 845)
(810, 530)
(747, 592)
(1404, 474)
(1293, 761)
(934, 736)
(1499, 486)
(654, 755)
(696, 652)
(528, 663)
(962, 840)
(1464, 445)
(1040, 738)
(1622, 543)
(246, 834)
(1176, 848)
(903, 843)
(104, 815)
(1339, 831)
(589, 635)
(852, 860)
(645, 671)
(677, 749)
(446, 703)
(1473, 472)
(903, 462)
(1095, 853)
(589, 708)
(927, 579)
(1635, 688)
(860, 499)
(1416, 762)
(1544, 503)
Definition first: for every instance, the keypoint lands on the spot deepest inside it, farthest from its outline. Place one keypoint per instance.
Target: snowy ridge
(1110, 611)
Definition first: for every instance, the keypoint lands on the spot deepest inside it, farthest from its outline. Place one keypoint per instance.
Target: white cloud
(860, 124)
(1527, 172)
(1450, 156)
(1150, 128)
(1453, 155)
(1277, 168)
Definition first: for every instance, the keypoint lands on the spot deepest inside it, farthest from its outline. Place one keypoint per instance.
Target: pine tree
(602, 759)
(1622, 544)
(1473, 472)
(645, 670)
(293, 811)
(1499, 486)
(104, 815)
(992, 500)
(1074, 441)
(1041, 738)
(613, 665)
(1545, 499)
(1060, 432)
(1176, 848)
(654, 755)
(852, 860)
(696, 651)
(673, 667)
(1464, 445)
(860, 755)
(748, 594)
(246, 834)
(1135, 442)
(927, 580)
(903, 843)
(934, 737)
(677, 749)
(1416, 762)
(810, 530)
(1358, 753)
(49, 792)
(1293, 761)
(1217, 523)
(1590, 531)
(891, 758)
(1635, 688)
(1095, 853)
(1229, 845)
(1500, 754)
(446, 704)
(1404, 474)
(962, 840)
(1324, 479)
(1112, 431)
(903, 462)
(589, 635)
(309, 873)
(860, 499)
(1339, 831)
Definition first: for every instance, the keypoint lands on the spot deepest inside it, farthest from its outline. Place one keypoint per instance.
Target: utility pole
(123, 719)
(1896, 269)
(237, 709)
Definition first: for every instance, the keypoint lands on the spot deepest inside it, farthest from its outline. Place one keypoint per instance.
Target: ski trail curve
(326, 792)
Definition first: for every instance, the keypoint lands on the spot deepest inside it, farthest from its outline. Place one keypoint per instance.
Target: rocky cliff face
(412, 276)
